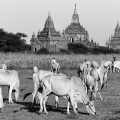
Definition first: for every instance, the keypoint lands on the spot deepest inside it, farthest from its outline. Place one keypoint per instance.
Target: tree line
(13, 42)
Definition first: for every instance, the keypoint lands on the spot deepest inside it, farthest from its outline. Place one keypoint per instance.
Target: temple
(75, 32)
(47, 38)
(53, 41)
(114, 40)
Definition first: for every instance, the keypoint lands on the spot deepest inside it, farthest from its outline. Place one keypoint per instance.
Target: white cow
(117, 65)
(108, 64)
(73, 88)
(10, 78)
(85, 66)
(55, 66)
(95, 73)
(38, 75)
(47, 81)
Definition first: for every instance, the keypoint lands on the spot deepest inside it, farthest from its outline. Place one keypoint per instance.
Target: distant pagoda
(75, 32)
(47, 38)
(114, 40)
(48, 30)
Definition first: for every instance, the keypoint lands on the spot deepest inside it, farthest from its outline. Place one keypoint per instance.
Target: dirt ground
(108, 109)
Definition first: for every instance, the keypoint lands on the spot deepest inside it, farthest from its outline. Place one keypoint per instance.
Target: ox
(117, 66)
(55, 67)
(38, 75)
(73, 88)
(10, 78)
(93, 73)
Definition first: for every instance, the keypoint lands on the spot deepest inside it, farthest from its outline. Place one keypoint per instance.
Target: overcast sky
(99, 17)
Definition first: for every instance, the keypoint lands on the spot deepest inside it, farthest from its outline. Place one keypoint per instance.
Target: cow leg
(43, 100)
(41, 104)
(40, 98)
(74, 108)
(56, 101)
(10, 95)
(44, 104)
(91, 93)
(1, 100)
(68, 107)
(100, 96)
(34, 93)
(73, 103)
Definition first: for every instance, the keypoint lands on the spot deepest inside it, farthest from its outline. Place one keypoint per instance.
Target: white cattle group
(84, 88)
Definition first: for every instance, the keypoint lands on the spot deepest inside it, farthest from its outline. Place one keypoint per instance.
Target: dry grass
(20, 60)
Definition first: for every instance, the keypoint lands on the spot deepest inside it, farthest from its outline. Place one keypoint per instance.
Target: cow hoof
(40, 111)
(68, 113)
(76, 113)
(45, 112)
(102, 99)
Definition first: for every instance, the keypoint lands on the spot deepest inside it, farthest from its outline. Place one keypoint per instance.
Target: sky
(99, 17)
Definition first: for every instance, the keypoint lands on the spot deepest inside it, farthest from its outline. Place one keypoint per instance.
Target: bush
(43, 51)
(77, 48)
(64, 51)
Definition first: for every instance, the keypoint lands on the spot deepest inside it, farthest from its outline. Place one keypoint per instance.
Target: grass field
(20, 60)
(108, 109)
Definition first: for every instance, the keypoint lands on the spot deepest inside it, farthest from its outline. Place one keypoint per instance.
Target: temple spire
(75, 9)
(49, 22)
(75, 17)
(33, 35)
(49, 14)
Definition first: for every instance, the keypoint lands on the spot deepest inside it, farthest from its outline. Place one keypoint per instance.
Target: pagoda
(48, 38)
(75, 32)
(114, 41)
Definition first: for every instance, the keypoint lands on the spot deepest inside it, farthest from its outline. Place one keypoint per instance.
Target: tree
(12, 42)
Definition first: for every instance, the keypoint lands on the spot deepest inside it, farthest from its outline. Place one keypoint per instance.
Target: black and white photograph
(59, 60)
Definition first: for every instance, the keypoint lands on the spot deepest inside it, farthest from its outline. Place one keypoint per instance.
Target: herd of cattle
(83, 88)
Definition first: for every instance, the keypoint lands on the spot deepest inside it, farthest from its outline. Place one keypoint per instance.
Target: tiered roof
(75, 27)
(49, 29)
(117, 30)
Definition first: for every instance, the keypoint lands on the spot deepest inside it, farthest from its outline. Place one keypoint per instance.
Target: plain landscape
(108, 109)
